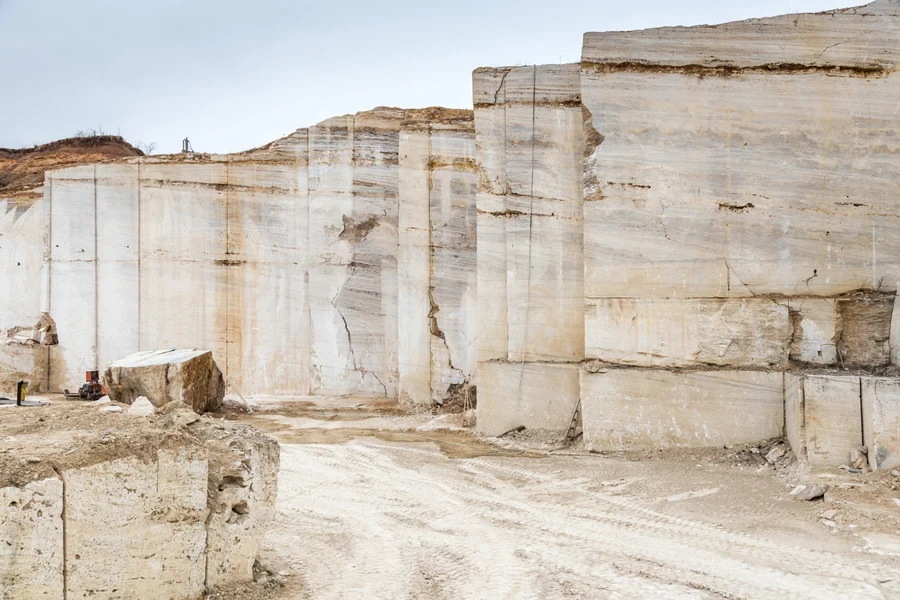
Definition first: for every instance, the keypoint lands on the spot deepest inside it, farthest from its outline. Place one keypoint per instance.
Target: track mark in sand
(386, 520)
(690, 495)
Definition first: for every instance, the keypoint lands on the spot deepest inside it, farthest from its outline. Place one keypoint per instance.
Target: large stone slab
(833, 418)
(147, 537)
(537, 396)
(684, 332)
(881, 421)
(31, 536)
(186, 376)
(815, 324)
(640, 408)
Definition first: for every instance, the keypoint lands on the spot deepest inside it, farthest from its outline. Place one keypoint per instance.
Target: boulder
(186, 376)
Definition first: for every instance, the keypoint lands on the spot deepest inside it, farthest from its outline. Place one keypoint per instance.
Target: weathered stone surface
(833, 418)
(795, 415)
(711, 199)
(641, 408)
(684, 332)
(147, 537)
(190, 377)
(242, 491)
(538, 396)
(865, 322)
(108, 506)
(23, 362)
(31, 533)
(881, 421)
(861, 38)
(815, 323)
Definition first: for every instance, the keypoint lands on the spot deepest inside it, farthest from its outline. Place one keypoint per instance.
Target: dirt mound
(23, 169)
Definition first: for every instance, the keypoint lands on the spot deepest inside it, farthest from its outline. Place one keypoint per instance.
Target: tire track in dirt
(383, 520)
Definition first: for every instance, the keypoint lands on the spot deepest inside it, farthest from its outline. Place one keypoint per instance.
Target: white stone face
(714, 201)
(833, 419)
(862, 37)
(683, 332)
(881, 421)
(22, 227)
(31, 527)
(147, 538)
(538, 396)
(794, 414)
(638, 408)
(815, 330)
(282, 260)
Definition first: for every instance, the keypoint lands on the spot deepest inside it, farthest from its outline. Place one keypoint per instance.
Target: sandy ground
(377, 504)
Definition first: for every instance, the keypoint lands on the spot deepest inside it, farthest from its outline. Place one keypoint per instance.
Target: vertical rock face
(528, 128)
(283, 261)
(437, 255)
(189, 377)
(881, 421)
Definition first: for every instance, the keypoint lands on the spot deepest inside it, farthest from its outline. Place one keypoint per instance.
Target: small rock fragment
(184, 418)
(141, 407)
(809, 492)
(100, 401)
(895, 473)
(111, 409)
(754, 450)
(897, 500)
(859, 457)
(775, 453)
(828, 523)
(829, 514)
(32, 460)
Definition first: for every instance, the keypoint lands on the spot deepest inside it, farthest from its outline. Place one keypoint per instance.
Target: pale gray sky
(235, 74)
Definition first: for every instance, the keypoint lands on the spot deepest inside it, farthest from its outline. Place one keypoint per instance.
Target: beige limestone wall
(739, 212)
(528, 130)
(285, 261)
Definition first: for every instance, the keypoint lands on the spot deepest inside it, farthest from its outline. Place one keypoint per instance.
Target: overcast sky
(235, 74)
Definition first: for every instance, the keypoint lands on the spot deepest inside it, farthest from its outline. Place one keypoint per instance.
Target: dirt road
(370, 518)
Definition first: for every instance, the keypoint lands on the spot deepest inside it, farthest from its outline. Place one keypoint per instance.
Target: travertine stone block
(243, 474)
(147, 537)
(683, 332)
(31, 533)
(833, 418)
(190, 377)
(538, 396)
(881, 421)
(639, 408)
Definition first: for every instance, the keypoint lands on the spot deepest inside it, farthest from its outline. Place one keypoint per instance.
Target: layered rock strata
(106, 505)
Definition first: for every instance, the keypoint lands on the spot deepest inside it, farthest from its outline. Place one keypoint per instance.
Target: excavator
(91, 390)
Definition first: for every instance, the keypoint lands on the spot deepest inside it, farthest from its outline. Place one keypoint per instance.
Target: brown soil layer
(23, 169)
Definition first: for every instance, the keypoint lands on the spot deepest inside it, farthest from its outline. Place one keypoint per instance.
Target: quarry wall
(693, 233)
(291, 262)
(736, 219)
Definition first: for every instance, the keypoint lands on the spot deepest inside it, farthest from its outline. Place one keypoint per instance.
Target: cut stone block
(31, 535)
(147, 537)
(881, 421)
(163, 376)
(833, 419)
(684, 332)
(638, 408)
(537, 396)
(794, 418)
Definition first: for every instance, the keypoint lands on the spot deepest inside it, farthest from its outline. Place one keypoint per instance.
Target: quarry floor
(374, 503)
